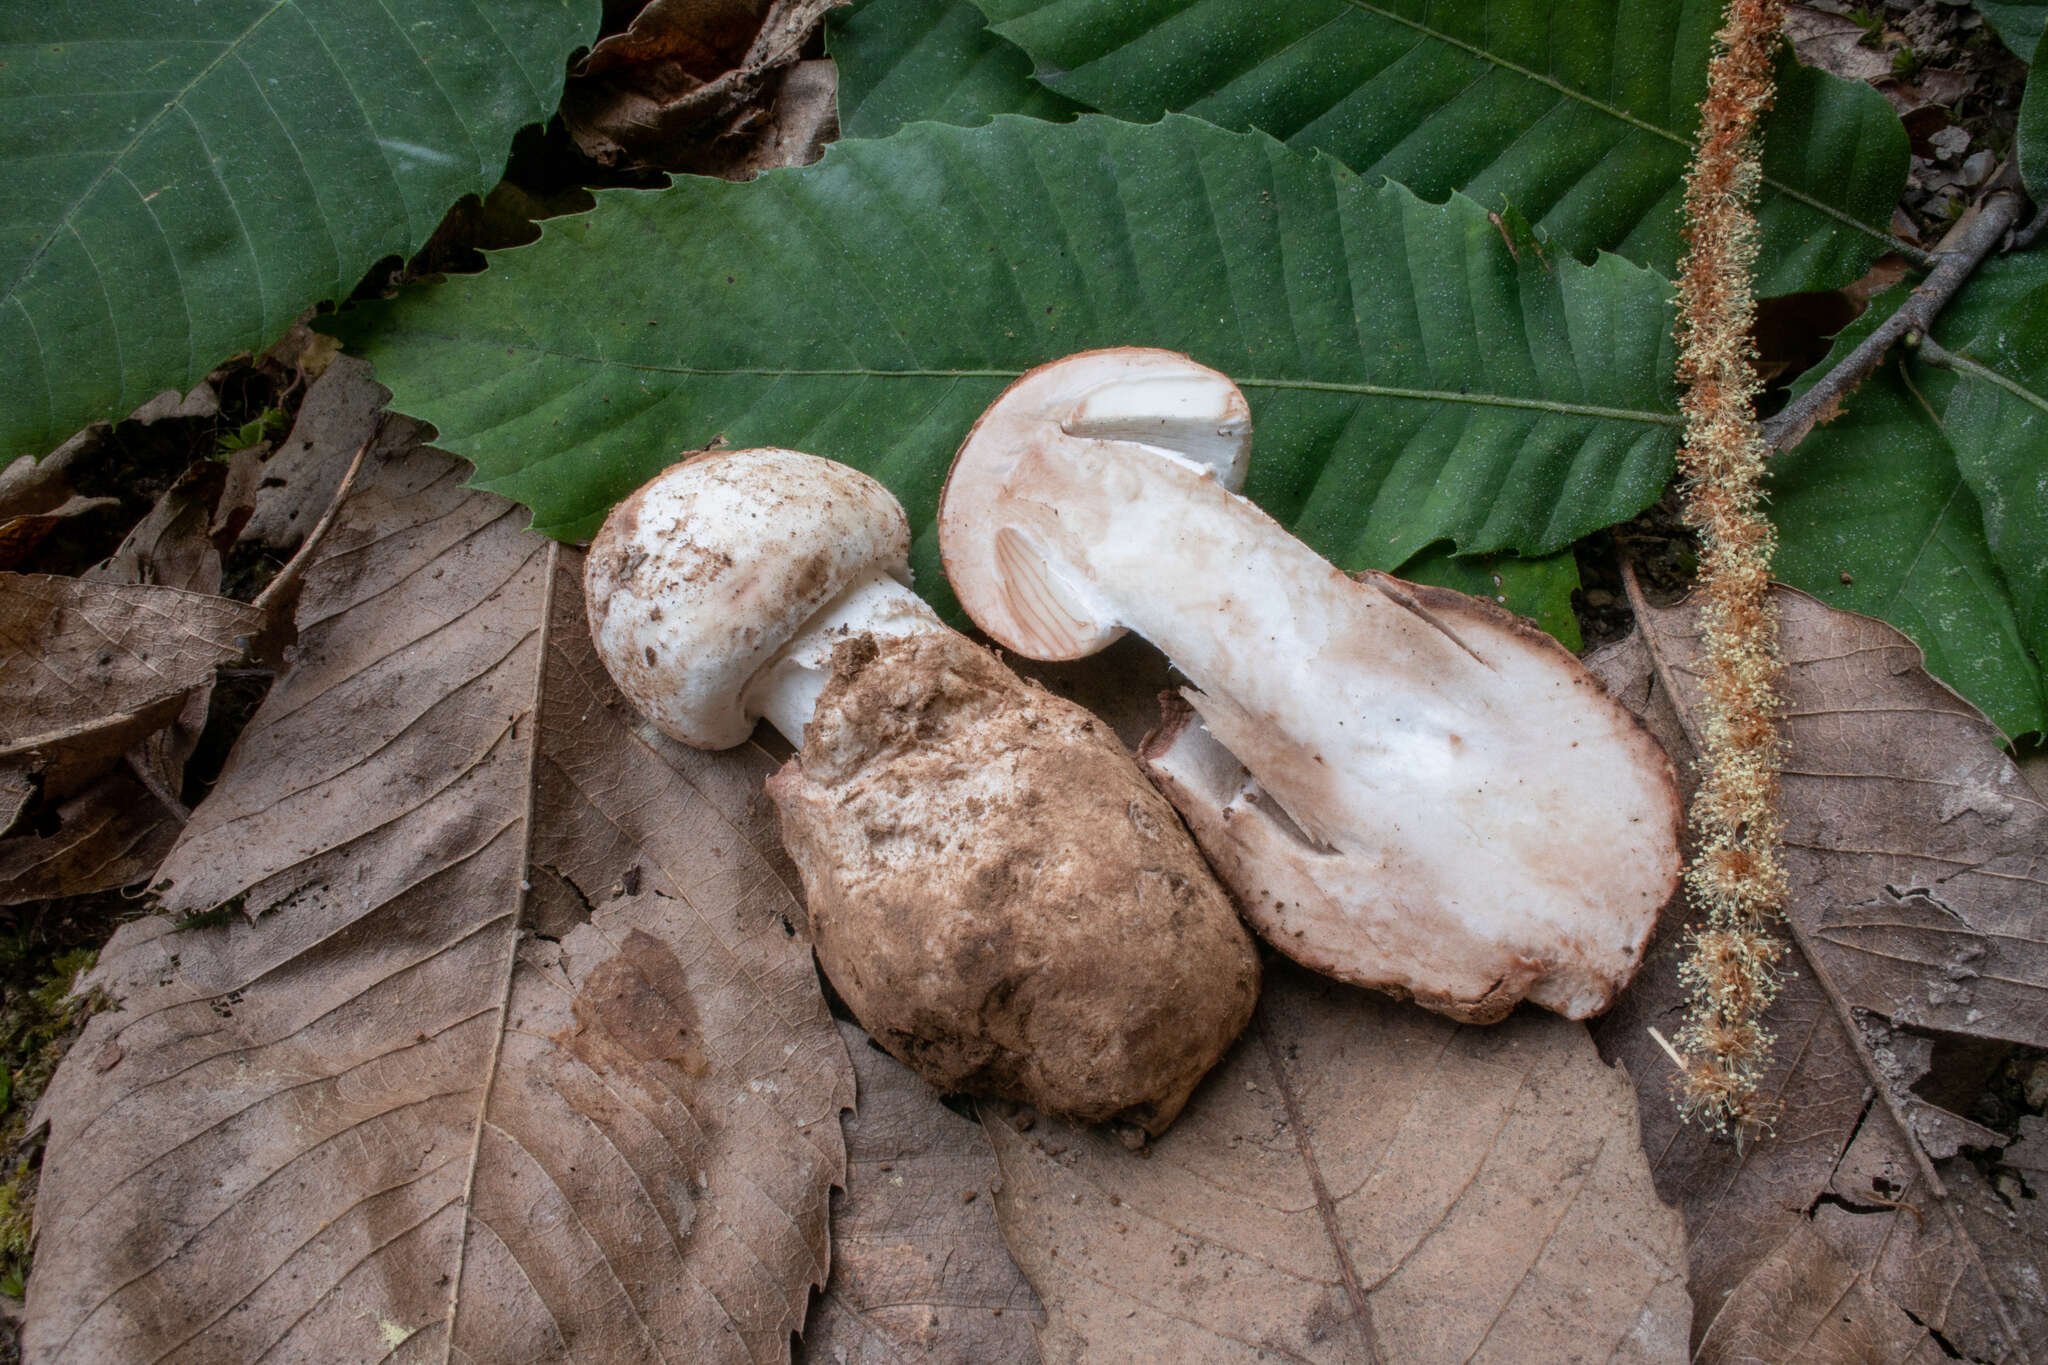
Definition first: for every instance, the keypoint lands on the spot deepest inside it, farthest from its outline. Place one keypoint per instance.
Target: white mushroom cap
(702, 578)
(1405, 788)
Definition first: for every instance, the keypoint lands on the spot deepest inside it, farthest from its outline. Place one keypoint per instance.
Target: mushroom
(994, 889)
(1406, 787)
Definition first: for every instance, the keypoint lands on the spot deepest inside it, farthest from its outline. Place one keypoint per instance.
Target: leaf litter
(369, 1112)
(1897, 796)
(1359, 1180)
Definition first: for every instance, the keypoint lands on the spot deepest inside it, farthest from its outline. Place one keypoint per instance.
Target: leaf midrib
(1620, 115)
(1643, 416)
(177, 102)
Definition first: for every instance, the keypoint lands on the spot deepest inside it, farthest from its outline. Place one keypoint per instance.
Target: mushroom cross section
(1405, 787)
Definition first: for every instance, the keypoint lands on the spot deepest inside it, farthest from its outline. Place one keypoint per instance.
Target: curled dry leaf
(1915, 852)
(89, 671)
(371, 1116)
(1360, 1180)
(112, 834)
(684, 72)
(111, 828)
(1802, 1302)
(73, 653)
(919, 1271)
(301, 476)
(1834, 43)
(179, 544)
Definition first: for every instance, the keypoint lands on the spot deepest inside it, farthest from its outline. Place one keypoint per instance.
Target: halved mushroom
(995, 890)
(1405, 787)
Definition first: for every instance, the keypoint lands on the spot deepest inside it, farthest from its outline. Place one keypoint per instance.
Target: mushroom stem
(1276, 640)
(785, 693)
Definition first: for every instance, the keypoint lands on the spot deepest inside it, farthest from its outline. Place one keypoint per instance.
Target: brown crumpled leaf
(919, 1270)
(1802, 1303)
(111, 834)
(299, 479)
(1893, 786)
(1834, 43)
(73, 652)
(179, 542)
(110, 828)
(90, 671)
(371, 1117)
(1359, 1180)
(686, 72)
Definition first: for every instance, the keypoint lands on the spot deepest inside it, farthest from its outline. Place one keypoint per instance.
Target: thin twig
(1958, 257)
(288, 577)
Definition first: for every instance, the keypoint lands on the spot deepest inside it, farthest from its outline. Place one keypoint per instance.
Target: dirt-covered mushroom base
(998, 894)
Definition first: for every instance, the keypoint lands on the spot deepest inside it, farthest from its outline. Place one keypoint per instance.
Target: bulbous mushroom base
(999, 895)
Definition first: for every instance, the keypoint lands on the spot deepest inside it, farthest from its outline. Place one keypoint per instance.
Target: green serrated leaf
(1412, 379)
(1992, 403)
(1539, 589)
(1580, 115)
(2031, 138)
(1875, 514)
(905, 60)
(2018, 23)
(181, 180)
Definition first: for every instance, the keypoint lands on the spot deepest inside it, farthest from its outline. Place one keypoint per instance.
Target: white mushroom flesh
(1440, 800)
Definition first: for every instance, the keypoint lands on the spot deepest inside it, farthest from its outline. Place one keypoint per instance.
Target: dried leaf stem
(1737, 878)
(284, 587)
(1959, 255)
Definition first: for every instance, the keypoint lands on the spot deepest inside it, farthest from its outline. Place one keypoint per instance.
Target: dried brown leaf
(1875, 746)
(920, 1275)
(1834, 43)
(371, 1116)
(687, 72)
(1804, 1305)
(1918, 854)
(1360, 1180)
(177, 544)
(31, 485)
(699, 38)
(299, 479)
(111, 834)
(90, 672)
(73, 652)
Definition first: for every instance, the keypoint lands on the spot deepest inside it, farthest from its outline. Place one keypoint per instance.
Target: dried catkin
(1737, 879)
